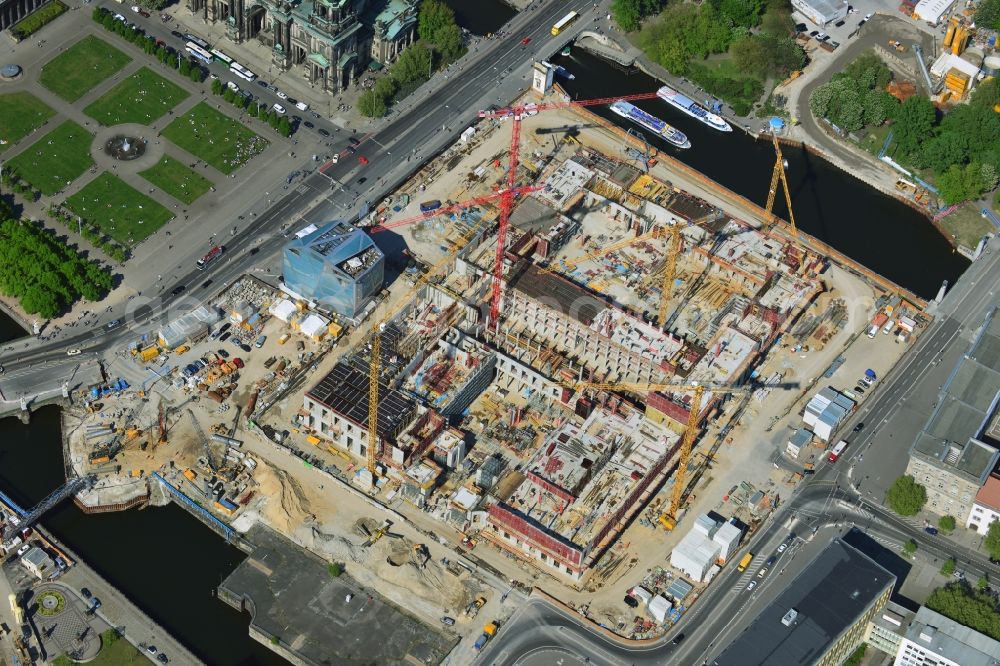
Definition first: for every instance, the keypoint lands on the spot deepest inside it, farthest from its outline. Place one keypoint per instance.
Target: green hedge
(38, 19)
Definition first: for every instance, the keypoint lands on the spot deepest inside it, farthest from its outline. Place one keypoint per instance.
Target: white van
(872, 331)
(301, 106)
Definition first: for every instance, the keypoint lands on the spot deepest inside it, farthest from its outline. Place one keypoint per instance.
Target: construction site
(584, 340)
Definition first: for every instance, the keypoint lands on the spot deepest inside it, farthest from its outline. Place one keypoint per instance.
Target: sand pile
(288, 505)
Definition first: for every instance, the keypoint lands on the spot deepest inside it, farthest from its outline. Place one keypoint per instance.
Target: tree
(745, 13)
(413, 64)
(777, 19)
(433, 16)
(992, 540)
(946, 523)
(197, 74)
(284, 126)
(959, 184)
(988, 14)
(910, 547)
(228, 94)
(974, 609)
(983, 583)
(948, 568)
(184, 67)
(371, 104)
(386, 88)
(334, 570)
(906, 497)
(627, 14)
(914, 123)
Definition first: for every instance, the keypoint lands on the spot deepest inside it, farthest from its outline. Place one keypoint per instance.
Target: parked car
(677, 639)
(762, 572)
(931, 530)
(631, 601)
(323, 132)
(280, 94)
(260, 341)
(752, 585)
(447, 621)
(280, 110)
(857, 428)
(86, 593)
(73, 352)
(782, 548)
(245, 347)
(238, 362)
(308, 124)
(223, 353)
(224, 336)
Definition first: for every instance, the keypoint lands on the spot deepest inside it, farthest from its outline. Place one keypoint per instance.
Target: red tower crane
(516, 112)
(451, 208)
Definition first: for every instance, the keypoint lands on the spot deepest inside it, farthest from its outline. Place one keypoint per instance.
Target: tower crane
(669, 517)
(375, 362)
(516, 112)
(776, 175)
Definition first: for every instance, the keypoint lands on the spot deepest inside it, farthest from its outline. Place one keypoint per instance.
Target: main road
(838, 496)
(495, 71)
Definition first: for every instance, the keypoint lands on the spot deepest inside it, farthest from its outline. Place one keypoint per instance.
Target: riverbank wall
(750, 212)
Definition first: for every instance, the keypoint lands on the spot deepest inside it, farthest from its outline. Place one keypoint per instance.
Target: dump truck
(745, 562)
(488, 632)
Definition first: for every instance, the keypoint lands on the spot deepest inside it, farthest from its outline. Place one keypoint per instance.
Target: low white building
(709, 543)
(38, 563)
(932, 10)
(190, 327)
(935, 639)
(799, 440)
(986, 507)
(821, 12)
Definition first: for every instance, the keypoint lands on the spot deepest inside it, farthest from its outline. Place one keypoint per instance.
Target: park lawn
(123, 213)
(119, 653)
(82, 66)
(177, 180)
(966, 226)
(21, 113)
(55, 160)
(215, 138)
(141, 98)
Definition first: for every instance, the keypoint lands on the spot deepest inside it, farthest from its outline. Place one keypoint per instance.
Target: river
(878, 231)
(168, 563)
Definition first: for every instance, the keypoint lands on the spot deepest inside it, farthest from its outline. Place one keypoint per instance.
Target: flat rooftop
(958, 643)
(829, 594)
(345, 391)
(294, 598)
(950, 438)
(558, 293)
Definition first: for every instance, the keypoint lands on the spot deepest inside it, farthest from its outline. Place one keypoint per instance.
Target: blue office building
(336, 266)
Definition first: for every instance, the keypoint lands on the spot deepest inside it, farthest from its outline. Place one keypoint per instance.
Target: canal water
(878, 231)
(164, 560)
(168, 563)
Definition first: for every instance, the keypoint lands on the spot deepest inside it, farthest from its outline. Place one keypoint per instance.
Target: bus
(241, 71)
(194, 39)
(836, 452)
(198, 53)
(212, 255)
(745, 562)
(564, 23)
(221, 57)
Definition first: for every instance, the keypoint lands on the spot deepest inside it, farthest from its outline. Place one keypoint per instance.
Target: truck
(428, 206)
(745, 562)
(488, 632)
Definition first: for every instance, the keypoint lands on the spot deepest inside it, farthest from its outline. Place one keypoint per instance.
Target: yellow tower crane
(673, 249)
(776, 175)
(669, 516)
(375, 363)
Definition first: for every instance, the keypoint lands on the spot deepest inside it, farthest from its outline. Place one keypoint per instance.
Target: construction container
(190, 475)
(251, 403)
(284, 338)
(149, 353)
(215, 395)
(949, 36)
(313, 439)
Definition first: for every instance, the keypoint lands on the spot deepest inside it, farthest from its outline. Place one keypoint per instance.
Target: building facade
(12, 11)
(986, 507)
(935, 640)
(956, 450)
(331, 42)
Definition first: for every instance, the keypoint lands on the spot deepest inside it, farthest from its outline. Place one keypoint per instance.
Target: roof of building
(189, 325)
(932, 10)
(989, 494)
(558, 293)
(345, 391)
(825, 7)
(532, 214)
(37, 557)
(830, 595)
(959, 644)
(339, 243)
(965, 407)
